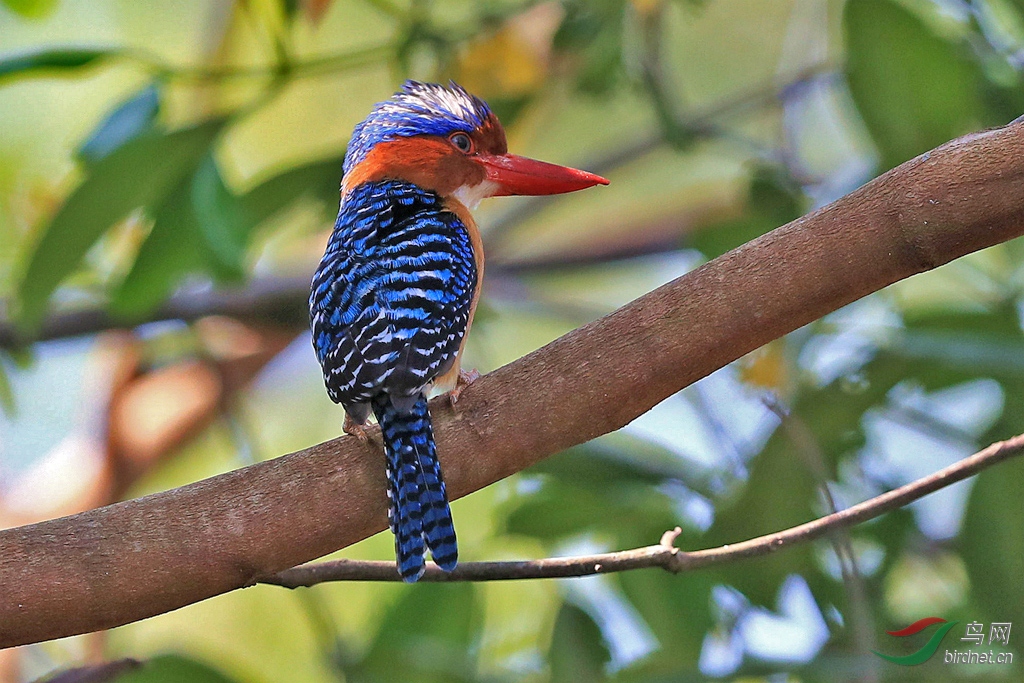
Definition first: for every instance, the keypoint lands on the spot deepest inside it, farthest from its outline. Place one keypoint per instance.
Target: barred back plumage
(389, 306)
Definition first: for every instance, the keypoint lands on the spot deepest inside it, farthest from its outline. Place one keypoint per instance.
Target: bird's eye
(462, 142)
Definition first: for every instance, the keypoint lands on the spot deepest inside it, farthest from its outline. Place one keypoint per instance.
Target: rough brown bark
(143, 557)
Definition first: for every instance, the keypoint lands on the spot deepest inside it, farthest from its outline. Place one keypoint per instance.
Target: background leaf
(320, 180)
(51, 62)
(98, 673)
(132, 118)
(992, 541)
(32, 9)
(139, 174)
(578, 653)
(7, 403)
(426, 634)
(914, 89)
(175, 246)
(223, 221)
(593, 31)
(174, 669)
(772, 201)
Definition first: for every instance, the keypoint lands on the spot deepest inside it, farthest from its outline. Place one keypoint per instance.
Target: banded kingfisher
(393, 298)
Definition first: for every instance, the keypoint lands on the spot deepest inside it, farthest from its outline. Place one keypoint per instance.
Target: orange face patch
(429, 161)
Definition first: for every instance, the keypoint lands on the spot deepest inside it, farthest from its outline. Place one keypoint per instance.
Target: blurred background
(168, 179)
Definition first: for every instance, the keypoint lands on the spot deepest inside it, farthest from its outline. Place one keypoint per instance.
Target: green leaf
(137, 175)
(128, 121)
(223, 221)
(22, 356)
(997, 324)
(227, 220)
(778, 494)
(592, 32)
(631, 513)
(319, 180)
(556, 511)
(174, 247)
(31, 9)
(174, 669)
(162, 669)
(782, 490)
(6, 392)
(50, 61)
(602, 64)
(601, 466)
(426, 636)
(678, 611)
(202, 226)
(613, 493)
(603, 61)
(914, 89)
(578, 651)
(291, 8)
(992, 541)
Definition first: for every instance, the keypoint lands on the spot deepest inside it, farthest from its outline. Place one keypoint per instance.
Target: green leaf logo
(929, 648)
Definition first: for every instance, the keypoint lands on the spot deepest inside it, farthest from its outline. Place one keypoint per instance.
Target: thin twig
(271, 300)
(665, 554)
(312, 67)
(274, 300)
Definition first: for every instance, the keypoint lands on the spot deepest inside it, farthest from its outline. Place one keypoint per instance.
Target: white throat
(470, 195)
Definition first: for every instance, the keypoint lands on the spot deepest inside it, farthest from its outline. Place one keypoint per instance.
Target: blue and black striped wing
(391, 300)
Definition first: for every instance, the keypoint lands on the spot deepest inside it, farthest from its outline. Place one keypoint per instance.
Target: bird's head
(445, 140)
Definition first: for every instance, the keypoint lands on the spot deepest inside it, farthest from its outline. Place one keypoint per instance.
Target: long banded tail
(419, 512)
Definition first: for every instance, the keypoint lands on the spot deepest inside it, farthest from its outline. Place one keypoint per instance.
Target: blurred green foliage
(170, 668)
(927, 96)
(155, 145)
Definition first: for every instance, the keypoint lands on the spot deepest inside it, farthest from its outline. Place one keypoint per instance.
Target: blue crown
(417, 109)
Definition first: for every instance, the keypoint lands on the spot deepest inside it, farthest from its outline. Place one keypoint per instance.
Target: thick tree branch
(665, 554)
(142, 557)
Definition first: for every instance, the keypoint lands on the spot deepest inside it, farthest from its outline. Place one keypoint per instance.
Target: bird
(393, 298)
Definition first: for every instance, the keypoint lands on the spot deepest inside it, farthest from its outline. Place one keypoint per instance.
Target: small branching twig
(664, 554)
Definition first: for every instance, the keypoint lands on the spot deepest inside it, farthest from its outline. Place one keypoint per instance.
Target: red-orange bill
(516, 175)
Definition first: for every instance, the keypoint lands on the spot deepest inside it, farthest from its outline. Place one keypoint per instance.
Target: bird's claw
(466, 377)
(355, 429)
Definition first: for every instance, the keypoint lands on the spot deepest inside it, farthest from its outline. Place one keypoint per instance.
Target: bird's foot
(466, 377)
(355, 429)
